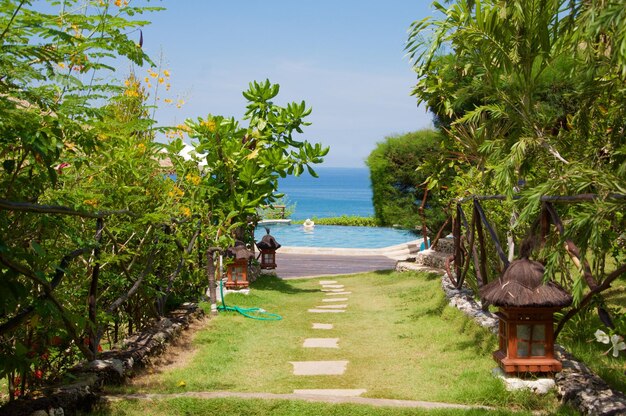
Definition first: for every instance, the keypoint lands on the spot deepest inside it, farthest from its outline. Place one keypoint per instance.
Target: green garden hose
(252, 313)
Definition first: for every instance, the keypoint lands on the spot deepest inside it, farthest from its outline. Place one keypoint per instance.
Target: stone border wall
(576, 384)
(112, 368)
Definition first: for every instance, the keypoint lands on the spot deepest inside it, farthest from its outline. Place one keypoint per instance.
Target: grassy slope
(401, 339)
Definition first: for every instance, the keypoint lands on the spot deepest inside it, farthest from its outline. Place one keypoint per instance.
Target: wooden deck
(291, 266)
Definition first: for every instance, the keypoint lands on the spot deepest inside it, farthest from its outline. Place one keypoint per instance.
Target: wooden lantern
(237, 274)
(237, 271)
(526, 328)
(267, 247)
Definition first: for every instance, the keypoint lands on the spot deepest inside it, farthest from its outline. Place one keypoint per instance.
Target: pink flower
(61, 167)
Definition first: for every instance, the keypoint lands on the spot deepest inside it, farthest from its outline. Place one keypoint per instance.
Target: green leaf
(37, 248)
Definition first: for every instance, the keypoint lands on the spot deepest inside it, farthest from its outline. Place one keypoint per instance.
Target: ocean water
(337, 191)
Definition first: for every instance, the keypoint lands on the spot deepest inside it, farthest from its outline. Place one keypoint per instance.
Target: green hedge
(397, 184)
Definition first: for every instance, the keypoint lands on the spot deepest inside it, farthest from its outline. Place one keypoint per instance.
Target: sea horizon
(338, 191)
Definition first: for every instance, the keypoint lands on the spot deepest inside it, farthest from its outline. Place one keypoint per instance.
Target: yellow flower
(61, 65)
(127, 83)
(168, 100)
(209, 124)
(146, 79)
(141, 147)
(118, 3)
(91, 202)
(194, 179)
(153, 74)
(185, 211)
(166, 73)
(161, 80)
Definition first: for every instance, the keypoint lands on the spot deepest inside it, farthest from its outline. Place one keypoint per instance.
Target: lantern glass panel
(237, 273)
(522, 349)
(523, 332)
(531, 340)
(268, 258)
(538, 349)
(539, 332)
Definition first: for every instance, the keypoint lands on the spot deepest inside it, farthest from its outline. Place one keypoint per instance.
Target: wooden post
(93, 293)
(423, 215)
(210, 270)
(483, 249)
(492, 233)
(456, 232)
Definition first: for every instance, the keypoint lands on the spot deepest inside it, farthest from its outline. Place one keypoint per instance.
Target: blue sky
(345, 58)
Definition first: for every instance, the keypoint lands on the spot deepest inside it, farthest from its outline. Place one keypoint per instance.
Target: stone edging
(112, 368)
(576, 384)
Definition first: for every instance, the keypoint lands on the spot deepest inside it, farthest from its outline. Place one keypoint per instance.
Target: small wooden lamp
(237, 271)
(527, 306)
(267, 247)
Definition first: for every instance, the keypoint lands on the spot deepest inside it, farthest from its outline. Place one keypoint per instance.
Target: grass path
(402, 340)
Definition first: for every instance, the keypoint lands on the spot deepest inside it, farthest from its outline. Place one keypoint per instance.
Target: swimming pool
(336, 236)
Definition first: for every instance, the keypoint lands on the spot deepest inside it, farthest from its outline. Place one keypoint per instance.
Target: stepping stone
(327, 282)
(321, 343)
(335, 300)
(332, 307)
(332, 286)
(319, 368)
(332, 290)
(322, 326)
(337, 293)
(326, 310)
(331, 392)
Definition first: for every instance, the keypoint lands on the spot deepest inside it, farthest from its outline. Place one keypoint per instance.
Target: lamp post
(267, 247)
(526, 312)
(237, 271)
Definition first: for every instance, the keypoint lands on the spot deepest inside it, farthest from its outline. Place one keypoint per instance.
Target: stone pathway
(321, 343)
(333, 368)
(322, 326)
(318, 368)
(309, 397)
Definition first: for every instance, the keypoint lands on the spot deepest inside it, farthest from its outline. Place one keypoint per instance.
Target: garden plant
(100, 233)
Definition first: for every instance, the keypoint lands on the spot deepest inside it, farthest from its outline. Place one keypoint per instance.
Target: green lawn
(399, 335)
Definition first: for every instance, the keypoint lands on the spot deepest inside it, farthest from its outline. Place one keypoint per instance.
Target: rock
(432, 258)
(445, 245)
(112, 370)
(512, 383)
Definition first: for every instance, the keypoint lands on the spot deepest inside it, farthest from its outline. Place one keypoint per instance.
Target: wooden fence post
(93, 292)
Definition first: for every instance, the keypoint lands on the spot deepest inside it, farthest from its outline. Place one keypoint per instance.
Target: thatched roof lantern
(268, 242)
(237, 271)
(239, 251)
(526, 329)
(268, 246)
(522, 286)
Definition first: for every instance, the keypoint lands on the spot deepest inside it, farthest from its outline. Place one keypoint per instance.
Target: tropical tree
(236, 169)
(544, 81)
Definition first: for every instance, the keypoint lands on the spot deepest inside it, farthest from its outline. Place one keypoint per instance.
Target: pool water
(336, 236)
